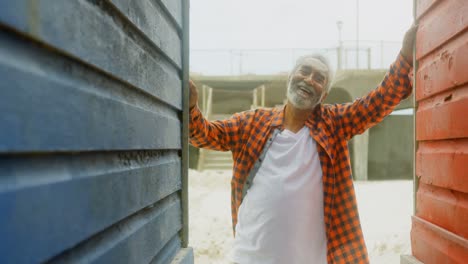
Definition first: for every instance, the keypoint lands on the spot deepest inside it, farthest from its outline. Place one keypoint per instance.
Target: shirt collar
(278, 116)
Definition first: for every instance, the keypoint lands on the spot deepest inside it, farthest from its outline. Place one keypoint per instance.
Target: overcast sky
(279, 24)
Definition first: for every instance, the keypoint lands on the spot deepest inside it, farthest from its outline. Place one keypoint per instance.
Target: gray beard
(300, 102)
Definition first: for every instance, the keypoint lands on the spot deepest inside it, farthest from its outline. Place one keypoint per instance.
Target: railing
(371, 55)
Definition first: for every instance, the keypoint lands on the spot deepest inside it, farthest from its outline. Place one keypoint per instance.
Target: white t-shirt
(281, 218)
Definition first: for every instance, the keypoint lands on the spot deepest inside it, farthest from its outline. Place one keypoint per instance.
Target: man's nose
(310, 80)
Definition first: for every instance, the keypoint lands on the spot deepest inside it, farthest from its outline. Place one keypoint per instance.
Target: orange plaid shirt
(331, 126)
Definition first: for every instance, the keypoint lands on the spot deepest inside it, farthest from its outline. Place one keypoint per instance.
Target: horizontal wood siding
(440, 231)
(91, 131)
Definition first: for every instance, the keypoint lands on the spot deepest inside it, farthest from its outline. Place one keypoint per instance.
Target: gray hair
(323, 60)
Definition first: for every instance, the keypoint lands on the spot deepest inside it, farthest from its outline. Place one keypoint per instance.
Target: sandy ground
(385, 208)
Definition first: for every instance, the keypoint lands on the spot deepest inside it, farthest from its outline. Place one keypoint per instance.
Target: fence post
(204, 98)
(209, 103)
(262, 89)
(255, 99)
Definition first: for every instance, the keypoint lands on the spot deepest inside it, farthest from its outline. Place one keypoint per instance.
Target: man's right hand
(193, 95)
(408, 43)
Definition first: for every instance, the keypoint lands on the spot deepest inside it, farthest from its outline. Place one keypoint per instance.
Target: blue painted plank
(52, 202)
(14, 12)
(175, 9)
(168, 252)
(147, 16)
(96, 36)
(49, 104)
(135, 240)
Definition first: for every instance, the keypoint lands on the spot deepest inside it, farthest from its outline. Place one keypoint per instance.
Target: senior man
(292, 197)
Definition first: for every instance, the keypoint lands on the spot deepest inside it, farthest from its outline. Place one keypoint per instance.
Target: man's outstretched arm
(220, 135)
(354, 118)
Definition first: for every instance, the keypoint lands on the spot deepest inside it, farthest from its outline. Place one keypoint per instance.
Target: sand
(385, 208)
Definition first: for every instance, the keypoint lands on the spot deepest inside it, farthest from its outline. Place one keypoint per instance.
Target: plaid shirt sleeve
(356, 117)
(220, 135)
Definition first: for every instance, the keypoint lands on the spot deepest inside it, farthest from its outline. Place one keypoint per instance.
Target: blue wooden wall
(92, 131)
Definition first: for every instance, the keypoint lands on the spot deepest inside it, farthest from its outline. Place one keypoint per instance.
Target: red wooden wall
(440, 225)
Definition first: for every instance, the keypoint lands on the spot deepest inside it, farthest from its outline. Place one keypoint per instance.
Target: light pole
(339, 24)
(357, 34)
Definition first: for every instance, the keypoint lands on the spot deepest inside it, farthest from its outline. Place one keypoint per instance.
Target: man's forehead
(314, 64)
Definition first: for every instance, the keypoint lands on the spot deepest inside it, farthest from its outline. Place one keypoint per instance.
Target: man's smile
(305, 90)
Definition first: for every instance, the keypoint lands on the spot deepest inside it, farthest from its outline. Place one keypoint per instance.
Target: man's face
(306, 87)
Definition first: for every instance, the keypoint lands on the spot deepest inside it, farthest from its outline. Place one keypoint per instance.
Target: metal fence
(371, 55)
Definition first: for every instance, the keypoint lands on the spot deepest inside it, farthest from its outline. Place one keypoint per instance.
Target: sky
(218, 25)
